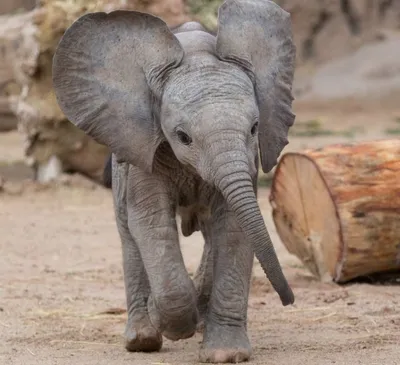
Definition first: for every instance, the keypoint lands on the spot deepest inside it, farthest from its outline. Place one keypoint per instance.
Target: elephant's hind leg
(203, 279)
(140, 335)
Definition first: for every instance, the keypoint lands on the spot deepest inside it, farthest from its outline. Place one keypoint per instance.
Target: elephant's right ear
(108, 72)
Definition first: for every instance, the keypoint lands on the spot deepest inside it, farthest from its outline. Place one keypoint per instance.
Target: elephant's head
(128, 82)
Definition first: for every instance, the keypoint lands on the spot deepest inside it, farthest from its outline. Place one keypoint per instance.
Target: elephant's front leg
(151, 216)
(225, 336)
(140, 335)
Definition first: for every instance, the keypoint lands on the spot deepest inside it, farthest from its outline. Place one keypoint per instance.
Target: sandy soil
(61, 280)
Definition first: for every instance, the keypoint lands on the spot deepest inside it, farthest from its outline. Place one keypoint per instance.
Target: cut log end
(338, 208)
(305, 215)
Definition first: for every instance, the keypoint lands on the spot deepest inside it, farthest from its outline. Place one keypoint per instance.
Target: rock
(15, 6)
(8, 121)
(372, 71)
(344, 25)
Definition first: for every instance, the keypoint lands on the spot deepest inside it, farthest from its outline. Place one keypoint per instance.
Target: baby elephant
(184, 113)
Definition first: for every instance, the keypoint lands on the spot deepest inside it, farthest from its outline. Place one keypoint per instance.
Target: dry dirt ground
(61, 276)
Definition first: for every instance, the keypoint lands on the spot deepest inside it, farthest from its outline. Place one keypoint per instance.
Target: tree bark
(338, 208)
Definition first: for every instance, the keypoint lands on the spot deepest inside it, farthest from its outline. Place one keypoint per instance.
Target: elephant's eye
(184, 138)
(254, 128)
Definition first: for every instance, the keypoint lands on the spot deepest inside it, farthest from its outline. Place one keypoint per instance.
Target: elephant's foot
(174, 325)
(202, 306)
(225, 344)
(140, 335)
(200, 326)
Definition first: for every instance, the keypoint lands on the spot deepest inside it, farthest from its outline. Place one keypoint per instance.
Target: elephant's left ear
(257, 35)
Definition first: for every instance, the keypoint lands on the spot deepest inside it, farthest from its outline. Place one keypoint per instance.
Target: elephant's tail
(107, 177)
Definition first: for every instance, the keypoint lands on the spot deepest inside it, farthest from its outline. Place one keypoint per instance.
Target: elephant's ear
(108, 72)
(257, 35)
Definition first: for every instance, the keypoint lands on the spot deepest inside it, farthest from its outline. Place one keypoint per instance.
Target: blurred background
(62, 292)
(347, 80)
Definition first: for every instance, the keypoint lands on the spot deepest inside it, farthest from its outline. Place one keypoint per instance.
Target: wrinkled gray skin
(184, 115)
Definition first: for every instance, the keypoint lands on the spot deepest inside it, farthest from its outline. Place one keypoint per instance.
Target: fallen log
(337, 208)
(28, 41)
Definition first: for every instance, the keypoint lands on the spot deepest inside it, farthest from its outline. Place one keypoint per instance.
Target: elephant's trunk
(236, 185)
